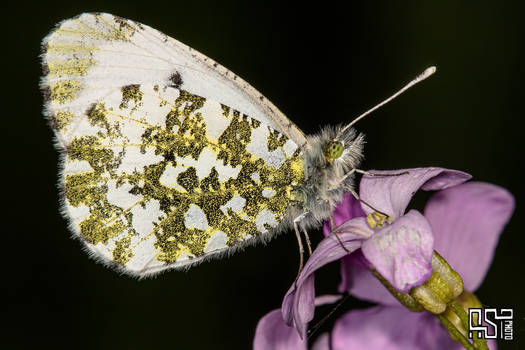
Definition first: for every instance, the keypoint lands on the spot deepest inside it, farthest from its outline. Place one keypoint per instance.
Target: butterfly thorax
(326, 177)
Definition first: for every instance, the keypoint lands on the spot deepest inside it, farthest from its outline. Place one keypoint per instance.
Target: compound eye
(333, 150)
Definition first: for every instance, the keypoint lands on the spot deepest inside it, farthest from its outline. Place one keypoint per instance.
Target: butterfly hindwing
(155, 177)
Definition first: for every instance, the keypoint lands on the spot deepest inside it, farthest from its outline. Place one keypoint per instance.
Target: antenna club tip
(426, 73)
(429, 71)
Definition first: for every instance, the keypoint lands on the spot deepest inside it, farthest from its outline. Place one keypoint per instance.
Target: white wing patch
(236, 204)
(258, 148)
(268, 192)
(217, 242)
(195, 218)
(265, 220)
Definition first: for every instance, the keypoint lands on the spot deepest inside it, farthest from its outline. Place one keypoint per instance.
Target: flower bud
(444, 285)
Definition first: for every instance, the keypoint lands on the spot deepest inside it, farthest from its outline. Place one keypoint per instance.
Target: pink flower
(462, 222)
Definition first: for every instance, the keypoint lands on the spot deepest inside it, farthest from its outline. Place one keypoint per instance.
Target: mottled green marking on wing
(182, 136)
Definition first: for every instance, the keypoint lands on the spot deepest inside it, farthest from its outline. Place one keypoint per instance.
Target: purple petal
(347, 209)
(359, 281)
(273, 334)
(390, 328)
(402, 251)
(391, 194)
(467, 221)
(322, 342)
(357, 226)
(327, 299)
(298, 304)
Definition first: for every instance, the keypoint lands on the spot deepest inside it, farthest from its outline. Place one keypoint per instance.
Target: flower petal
(273, 334)
(327, 299)
(359, 281)
(347, 209)
(402, 251)
(357, 226)
(467, 221)
(390, 328)
(391, 194)
(322, 342)
(298, 304)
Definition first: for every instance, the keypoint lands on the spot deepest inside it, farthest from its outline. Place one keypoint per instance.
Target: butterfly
(167, 158)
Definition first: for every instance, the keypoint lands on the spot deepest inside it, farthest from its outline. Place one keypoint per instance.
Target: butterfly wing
(159, 168)
(87, 57)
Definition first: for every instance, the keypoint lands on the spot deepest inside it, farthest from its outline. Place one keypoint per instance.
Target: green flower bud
(444, 285)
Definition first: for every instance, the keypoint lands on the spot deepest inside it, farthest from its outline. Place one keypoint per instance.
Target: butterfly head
(342, 149)
(333, 150)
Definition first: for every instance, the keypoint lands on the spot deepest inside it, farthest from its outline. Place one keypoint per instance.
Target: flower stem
(479, 343)
(460, 312)
(454, 331)
(405, 299)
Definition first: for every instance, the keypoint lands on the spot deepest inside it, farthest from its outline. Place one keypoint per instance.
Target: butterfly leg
(351, 189)
(307, 238)
(356, 196)
(301, 250)
(296, 223)
(367, 173)
(333, 225)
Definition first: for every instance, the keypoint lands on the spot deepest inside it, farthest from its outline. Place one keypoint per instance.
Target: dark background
(468, 116)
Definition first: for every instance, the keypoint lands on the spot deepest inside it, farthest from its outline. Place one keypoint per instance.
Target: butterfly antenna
(428, 72)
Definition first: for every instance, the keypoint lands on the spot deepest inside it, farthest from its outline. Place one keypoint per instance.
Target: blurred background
(468, 116)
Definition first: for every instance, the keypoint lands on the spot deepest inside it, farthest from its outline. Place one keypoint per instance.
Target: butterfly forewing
(89, 56)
